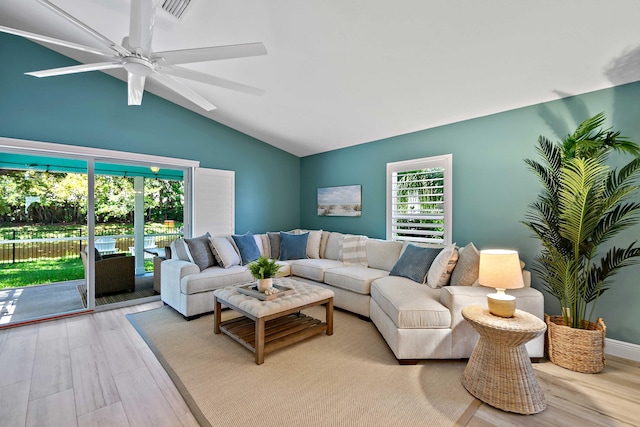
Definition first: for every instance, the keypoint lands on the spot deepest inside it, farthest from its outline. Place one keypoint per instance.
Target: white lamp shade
(500, 268)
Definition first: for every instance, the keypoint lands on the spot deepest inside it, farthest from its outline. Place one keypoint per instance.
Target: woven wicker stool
(499, 371)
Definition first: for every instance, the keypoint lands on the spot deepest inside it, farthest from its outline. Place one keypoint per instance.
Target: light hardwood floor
(95, 370)
(91, 370)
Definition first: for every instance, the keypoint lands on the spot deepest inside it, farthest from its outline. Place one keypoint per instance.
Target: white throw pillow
(440, 271)
(313, 244)
(224, 252)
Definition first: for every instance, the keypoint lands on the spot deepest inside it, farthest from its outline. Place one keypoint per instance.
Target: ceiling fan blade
(141, 25)
(186, 73)
(41, 38)
(185, 56)
(183, 90)
(83, 68)
(135, 88)
(84, 27)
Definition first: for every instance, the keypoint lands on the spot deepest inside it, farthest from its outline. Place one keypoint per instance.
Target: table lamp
(500, 269)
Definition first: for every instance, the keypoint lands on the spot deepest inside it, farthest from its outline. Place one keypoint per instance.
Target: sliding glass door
(138, 211)
(43, 211)
(81, 233)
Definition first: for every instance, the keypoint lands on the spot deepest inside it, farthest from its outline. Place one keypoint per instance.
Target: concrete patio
(40, 301)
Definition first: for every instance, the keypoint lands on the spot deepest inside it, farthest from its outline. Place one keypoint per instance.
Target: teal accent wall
(492, 187)
(90, 110)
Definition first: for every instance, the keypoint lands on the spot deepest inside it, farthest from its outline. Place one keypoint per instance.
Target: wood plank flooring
(91, 370)
(95, 370)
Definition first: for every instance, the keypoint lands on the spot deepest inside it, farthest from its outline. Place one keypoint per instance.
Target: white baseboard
(622, 349)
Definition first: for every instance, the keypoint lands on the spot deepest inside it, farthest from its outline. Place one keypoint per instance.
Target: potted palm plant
(264, 270)
(584, 203)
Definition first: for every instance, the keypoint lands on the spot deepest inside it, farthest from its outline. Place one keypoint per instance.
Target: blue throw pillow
(414, 263)
(293, 246)
(247, 246)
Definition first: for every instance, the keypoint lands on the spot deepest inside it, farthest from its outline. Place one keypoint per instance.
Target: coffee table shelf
(278, 333)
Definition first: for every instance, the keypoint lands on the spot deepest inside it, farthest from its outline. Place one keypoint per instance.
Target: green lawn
(45, 271)
(40, 272)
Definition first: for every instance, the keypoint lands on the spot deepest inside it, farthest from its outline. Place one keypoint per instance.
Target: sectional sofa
(413, 294)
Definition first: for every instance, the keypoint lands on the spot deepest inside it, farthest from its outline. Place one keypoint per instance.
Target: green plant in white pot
(264, 270)
(584, 204)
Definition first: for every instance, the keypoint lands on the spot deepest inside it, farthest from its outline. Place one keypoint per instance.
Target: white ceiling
(345, 72)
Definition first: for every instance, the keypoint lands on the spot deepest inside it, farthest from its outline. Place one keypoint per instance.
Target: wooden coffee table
(266, 326)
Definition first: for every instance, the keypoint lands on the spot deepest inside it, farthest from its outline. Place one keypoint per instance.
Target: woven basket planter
(580, 350)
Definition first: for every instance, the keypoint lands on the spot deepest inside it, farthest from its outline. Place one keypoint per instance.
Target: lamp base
(501, 304)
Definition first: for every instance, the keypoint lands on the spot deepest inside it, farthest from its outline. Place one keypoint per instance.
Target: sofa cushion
(323, 243)
(293, 246)
(313, 268)
(246, 244)
(180, 251)
(200, 251)
(274, 244)
(353, 278)
(467, 267)
(285, 268)
(214, 278)
(410, 305)
(262, 242)
(332, 251)
(224, 252)
(313, 243)
(440, 271)
(414, 263)
(383, 254)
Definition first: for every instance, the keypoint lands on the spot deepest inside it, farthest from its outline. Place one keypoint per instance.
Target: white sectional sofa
(417, 320)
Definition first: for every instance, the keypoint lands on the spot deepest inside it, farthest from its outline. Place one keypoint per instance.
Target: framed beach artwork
(340, 201)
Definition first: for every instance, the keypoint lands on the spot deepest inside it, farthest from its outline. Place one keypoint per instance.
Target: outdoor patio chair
(115, 273)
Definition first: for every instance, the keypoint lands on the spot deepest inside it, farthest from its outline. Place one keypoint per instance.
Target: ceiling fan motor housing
(138, 66)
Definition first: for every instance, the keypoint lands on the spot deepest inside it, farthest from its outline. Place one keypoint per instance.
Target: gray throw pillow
(467, 267)
(274, 242)
(201, 251)
(414, 263)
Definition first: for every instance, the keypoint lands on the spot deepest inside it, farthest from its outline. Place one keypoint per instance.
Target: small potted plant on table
(264, 270)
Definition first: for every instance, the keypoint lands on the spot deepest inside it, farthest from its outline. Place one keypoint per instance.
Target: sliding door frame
(91, 156)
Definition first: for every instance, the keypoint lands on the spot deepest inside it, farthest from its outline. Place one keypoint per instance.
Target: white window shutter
(419, 200)
(213, 202)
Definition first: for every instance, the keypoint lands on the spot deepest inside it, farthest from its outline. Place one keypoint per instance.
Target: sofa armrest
(455, 298)
(172, 272)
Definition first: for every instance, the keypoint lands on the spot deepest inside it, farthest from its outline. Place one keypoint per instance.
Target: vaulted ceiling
(345, 72)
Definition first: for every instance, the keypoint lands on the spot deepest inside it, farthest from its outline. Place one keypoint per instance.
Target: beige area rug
(348, 379)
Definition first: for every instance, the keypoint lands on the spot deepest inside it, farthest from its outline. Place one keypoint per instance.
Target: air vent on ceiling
(176, 7)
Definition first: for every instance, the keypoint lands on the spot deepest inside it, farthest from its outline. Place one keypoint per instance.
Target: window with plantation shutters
(419, 200)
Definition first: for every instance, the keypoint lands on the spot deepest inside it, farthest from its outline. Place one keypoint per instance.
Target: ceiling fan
(137, 58)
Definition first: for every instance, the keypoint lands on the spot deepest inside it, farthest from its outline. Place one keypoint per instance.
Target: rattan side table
(499, 370)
